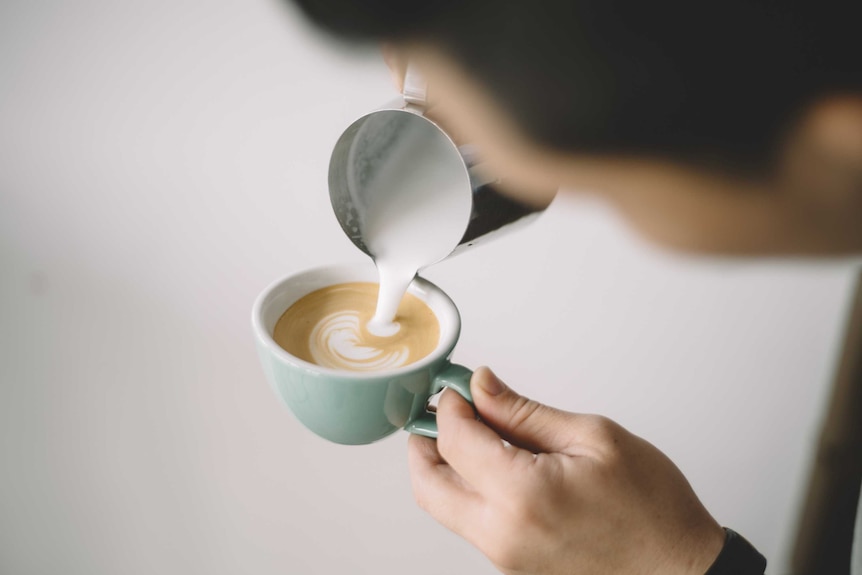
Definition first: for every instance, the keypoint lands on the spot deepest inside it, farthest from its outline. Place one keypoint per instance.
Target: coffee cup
(358, 407)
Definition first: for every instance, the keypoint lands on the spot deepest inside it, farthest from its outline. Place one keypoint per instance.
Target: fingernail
(491, 384)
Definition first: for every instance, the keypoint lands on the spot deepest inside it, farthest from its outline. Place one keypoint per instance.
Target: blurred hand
(569, 494)
(397, 63)
(396, 59)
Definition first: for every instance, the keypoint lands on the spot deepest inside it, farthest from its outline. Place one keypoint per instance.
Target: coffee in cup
(329, 327)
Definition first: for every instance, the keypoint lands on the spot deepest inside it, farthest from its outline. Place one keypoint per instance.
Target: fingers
(438, 489)
(396, 60)
(397, 63)
(474, 450)
(521, 421)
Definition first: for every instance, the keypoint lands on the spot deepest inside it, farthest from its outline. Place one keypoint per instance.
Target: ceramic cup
(349, 407)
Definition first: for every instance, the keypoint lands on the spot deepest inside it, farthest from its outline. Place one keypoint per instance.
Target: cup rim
(442, 350)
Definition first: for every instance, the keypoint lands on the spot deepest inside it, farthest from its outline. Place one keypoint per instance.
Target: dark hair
(704, 82)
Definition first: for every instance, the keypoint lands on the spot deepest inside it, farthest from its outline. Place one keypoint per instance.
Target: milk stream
(416, 215)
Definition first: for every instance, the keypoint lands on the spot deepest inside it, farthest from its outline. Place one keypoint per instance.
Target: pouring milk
(414, 216)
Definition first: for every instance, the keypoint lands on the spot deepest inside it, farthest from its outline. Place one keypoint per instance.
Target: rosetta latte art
(328, 327)
(336, 341)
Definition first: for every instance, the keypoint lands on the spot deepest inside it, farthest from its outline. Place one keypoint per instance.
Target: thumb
(520, 421)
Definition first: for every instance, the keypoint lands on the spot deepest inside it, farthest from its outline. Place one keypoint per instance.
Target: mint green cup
(355, 408)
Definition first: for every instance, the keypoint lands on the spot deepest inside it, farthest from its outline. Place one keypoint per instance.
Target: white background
(161, 162)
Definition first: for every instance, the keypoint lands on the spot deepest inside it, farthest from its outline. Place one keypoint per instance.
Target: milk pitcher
(396, 154)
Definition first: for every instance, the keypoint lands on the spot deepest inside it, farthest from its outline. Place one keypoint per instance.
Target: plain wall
(162, 162)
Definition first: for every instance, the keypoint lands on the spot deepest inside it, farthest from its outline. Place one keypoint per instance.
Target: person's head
(733, 126)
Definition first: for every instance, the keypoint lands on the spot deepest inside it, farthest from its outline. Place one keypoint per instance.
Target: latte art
(337, 341)
(329, 327)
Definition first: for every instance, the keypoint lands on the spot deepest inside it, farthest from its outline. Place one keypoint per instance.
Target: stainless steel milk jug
(370, 146)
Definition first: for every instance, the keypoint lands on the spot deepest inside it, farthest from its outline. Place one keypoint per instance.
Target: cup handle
(453, 376)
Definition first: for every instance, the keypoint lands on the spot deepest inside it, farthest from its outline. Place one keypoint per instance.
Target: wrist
(694, 551)
(737, 557)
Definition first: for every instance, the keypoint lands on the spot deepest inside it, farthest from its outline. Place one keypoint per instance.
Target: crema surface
(328, 327)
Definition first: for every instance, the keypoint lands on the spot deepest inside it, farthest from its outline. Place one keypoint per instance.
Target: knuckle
(419, 494)
(504, 555)
(522, 411)
(607, 436)
(428, 503)
(421, 500)
(603, 430)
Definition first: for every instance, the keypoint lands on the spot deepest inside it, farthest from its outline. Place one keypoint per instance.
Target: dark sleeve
(737, 557)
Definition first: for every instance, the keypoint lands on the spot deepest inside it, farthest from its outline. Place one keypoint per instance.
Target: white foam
(383, 328)
(335, 343)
